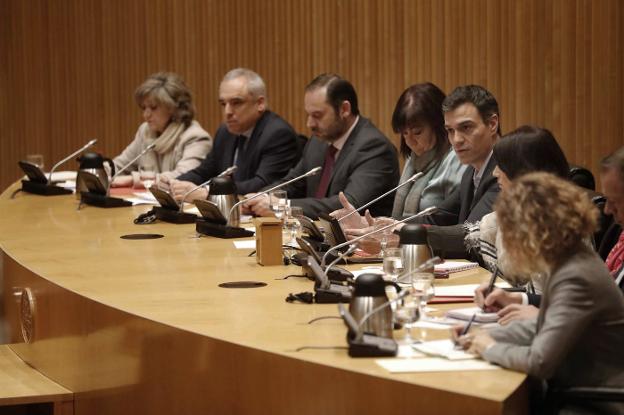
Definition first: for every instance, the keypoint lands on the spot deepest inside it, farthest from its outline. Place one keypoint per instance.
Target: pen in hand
(465, 330)
(490, 287)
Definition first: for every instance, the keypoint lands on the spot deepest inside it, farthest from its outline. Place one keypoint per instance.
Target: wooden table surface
(141, 325)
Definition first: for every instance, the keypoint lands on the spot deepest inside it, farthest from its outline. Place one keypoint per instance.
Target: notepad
(467, 313)
(443, 348)
(449, 267)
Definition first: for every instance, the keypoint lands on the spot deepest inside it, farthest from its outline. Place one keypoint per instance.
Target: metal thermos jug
(415, 248)
(369, 293)
(222, 192)
(94, 164)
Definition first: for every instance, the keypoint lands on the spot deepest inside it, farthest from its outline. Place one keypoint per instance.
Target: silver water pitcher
(94, 164)
(415, 248)
(368, 294)
(222, 192)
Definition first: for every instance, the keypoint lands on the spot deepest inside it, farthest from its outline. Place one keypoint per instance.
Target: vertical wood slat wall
(69, 68)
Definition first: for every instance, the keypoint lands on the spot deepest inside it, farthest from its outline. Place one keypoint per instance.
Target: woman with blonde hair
(168, 112)
(578, 336)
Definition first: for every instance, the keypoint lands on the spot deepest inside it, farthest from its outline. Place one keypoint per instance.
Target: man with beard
(356, 157)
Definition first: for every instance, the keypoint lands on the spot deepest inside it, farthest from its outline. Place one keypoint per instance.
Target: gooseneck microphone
(410, 180)
(312, 172)
(338, 258)
(131, 162)
(75, 153)
(225, 172)
(425, 212)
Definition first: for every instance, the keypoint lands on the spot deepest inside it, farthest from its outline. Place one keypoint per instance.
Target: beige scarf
(167, 139)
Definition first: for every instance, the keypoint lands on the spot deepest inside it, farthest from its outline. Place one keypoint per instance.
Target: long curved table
(141, 326)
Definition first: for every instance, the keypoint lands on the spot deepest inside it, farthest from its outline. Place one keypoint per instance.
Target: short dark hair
(421, 103)
(476, 95)
(614, 161)
(338, 91)
(529, 149)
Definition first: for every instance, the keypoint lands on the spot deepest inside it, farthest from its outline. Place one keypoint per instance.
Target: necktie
(239, 155)
(328, 168)
(616, 256)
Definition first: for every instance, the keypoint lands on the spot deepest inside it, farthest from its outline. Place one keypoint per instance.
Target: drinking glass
(422, 283)
(292, 227)
(383, 236)
(408, 313)
(279, 203)
(392, 263)
(147, 174)
(36, 159)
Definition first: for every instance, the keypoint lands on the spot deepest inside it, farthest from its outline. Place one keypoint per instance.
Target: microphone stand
(363, 344)
(43, 187)
(226, 231)
(410, 180)
(427, 211)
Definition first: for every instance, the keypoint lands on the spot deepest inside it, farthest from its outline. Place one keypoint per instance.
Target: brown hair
(543, 220)
(168, 89)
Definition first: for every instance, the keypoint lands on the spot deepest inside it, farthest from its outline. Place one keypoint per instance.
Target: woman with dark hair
(181, 143)
(419, 120)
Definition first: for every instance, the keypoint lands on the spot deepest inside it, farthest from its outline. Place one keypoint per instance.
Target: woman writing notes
(578, 336)
(181, 143)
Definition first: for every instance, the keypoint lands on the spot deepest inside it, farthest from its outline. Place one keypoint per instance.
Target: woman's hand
(475, 343)
(513, 312)
(496, 300)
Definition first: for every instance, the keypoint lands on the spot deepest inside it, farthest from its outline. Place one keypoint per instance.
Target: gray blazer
(578, 336)
(367, 166)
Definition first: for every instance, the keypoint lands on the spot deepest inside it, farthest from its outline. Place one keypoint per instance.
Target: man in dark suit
(471, 117)
(612, 182)
(356, 157)
(261, 144)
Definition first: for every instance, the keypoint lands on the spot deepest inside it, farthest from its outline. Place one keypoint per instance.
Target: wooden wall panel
(69, 68)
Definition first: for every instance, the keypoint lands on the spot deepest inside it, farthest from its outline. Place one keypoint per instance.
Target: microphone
(427, 211)
(338, 258)
(75, 153)
(225, 172)
(312, 172)
(410, 180)
(131, 162)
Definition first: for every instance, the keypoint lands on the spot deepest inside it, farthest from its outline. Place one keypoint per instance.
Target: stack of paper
(467, 313)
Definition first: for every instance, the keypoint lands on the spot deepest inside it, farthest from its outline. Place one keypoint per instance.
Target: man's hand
(179, 188)
(516, 312)
(496, 300)
(354, 221)
(259, 206)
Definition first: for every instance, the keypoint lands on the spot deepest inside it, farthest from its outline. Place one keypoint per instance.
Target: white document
(443, 348)
(433, 364)
(465, 290)
(247, 244)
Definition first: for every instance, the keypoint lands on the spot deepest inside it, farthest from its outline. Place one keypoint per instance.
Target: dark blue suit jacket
(269, 153)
